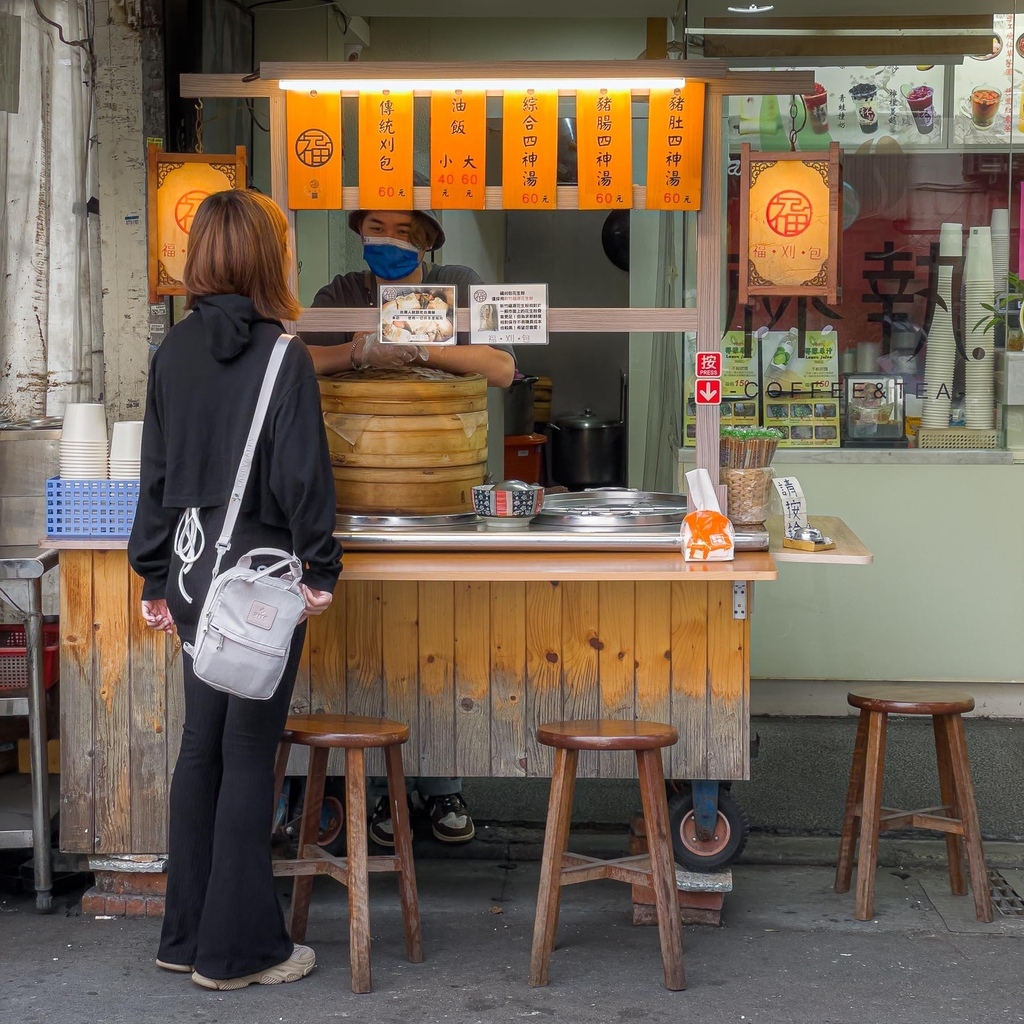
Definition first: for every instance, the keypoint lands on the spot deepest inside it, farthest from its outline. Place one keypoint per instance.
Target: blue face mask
(390, 259)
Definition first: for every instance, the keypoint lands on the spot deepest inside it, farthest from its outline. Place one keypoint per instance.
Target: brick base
(134, 892)
(695, 906)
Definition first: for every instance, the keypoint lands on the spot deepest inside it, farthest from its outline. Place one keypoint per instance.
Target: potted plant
(1006, 310)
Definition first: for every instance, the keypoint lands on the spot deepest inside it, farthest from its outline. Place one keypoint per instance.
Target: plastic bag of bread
(707, 534)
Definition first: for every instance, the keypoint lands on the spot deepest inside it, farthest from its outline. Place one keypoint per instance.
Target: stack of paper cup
(126, 450)
(978, 344)
(83, 442)
(940, 356)
(1000, 249)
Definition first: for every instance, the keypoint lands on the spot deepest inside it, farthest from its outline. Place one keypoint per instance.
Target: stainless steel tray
(611, 508)
(354, 523)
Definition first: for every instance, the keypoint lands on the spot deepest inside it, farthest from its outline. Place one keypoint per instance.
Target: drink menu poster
(848, 105)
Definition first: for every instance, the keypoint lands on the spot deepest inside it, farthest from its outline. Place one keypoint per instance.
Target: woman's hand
(317, 601)
(157, 615)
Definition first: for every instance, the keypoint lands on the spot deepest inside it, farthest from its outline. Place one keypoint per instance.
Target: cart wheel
(730, 834)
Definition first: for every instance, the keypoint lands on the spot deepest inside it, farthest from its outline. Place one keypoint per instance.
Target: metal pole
(42, 867)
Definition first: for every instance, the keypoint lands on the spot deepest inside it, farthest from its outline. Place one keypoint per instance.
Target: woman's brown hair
(238, 245)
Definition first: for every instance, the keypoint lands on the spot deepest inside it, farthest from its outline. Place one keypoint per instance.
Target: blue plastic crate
(90, 508)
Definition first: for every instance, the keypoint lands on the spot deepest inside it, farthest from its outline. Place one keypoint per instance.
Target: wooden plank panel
(472, 609)
(729, 684)
(364, 674)
(437, 681)
(400, 634)
(77, 783)
(147, 658)
(325, 641)
(653, 651)
(616, 668)
(113, 702)
(508, 658)
(566, 319)
(580, 644)
(543, 669)
(690, 679)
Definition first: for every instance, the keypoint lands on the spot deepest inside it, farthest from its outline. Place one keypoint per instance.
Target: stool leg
(280, 769)
(969, 818)
(309, 831)
(851, 820)
(947, 788)
(663, 873)
(871, 812)
(556, 839)
(358, 873)
(403, 850)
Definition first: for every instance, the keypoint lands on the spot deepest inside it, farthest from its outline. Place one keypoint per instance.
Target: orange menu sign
(458, 150)
(604, 132)
(529, 156)
(675, 147)
(385, 150)
(314, 150)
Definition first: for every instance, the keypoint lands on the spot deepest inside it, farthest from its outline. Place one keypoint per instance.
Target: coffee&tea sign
(789, 224)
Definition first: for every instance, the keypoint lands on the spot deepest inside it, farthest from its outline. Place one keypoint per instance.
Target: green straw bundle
(748, 447)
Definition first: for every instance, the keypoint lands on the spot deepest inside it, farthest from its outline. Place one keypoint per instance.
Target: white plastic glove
(368, 350)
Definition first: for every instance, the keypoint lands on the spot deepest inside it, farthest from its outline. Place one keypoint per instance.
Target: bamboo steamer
(410, 441)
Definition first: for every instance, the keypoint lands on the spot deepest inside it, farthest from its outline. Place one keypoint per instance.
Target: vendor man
(395, 243)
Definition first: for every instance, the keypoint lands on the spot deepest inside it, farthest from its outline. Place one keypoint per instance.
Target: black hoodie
(203, 384)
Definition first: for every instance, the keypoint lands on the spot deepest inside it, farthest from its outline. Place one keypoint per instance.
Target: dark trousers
(222, 912)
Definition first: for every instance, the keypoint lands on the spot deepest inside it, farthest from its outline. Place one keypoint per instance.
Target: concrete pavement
(788, 952)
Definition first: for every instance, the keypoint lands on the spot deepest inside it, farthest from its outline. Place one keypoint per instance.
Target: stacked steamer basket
(83, 442)
(979, 345)
(126, 450)
(940, 357)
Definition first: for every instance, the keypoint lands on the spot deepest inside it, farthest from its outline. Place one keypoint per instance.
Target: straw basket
(749, 492)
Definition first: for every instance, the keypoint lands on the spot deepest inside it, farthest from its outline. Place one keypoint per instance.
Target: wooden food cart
(472, 649)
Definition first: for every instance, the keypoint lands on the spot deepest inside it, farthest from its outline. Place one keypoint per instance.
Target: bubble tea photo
(863, 95)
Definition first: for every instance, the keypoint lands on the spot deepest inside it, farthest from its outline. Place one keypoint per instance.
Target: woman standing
(223, 921)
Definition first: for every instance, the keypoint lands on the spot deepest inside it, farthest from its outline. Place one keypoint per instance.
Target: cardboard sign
(529, 154)
(385, 150)
(794, 506)
(314, 150)
(458, 150)
(604, 144)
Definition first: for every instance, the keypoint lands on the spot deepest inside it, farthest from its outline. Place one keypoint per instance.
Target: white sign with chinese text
(794, 507)
(508, 314)
(417, 314)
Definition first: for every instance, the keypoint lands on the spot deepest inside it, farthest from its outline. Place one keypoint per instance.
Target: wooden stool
(322, 733)
(957, 816)
(654, 869)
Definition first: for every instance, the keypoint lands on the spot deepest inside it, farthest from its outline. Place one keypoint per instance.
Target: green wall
(944, 599)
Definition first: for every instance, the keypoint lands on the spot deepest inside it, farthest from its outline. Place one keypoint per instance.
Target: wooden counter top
(849, 549)
(548, 565)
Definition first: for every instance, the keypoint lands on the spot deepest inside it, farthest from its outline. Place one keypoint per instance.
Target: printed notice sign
(794, 507)
(508, 314)
(416, 314)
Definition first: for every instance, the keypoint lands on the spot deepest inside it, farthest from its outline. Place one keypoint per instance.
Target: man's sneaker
(382, 832)
(450, 820)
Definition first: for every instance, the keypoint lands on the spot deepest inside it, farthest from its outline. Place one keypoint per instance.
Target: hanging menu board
(458, 150)
(529, 155)
(675, 147)
(314, 150)
(385, 150)
(604, 148)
